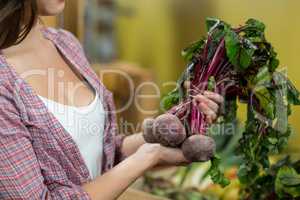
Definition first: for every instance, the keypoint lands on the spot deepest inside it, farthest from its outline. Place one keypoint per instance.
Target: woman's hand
(208, 102)
(157, 154)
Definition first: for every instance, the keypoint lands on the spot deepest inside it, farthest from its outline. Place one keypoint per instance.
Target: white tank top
(86, 126)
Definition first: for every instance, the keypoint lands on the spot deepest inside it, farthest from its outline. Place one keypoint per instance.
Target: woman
(46, 154)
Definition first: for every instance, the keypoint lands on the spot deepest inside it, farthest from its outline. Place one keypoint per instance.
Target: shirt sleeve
(20, 175)
(119, 157)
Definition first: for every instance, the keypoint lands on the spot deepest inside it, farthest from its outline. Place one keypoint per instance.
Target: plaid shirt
(38, 158)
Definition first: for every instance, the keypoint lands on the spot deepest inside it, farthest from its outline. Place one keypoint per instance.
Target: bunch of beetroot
(240, 64)
(185, 125)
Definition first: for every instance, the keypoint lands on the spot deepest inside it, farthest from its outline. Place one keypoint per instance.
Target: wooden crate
(120, 88)
(132, 194)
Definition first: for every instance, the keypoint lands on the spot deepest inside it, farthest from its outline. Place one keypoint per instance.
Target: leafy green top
(267, 92)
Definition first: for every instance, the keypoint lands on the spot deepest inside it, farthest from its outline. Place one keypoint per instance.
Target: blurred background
(144, 38)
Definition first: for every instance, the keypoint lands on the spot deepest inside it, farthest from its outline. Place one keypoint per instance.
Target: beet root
(148, 131)
(199, 148)
(169, 131)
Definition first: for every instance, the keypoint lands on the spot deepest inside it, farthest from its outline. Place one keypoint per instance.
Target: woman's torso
(86, 126)
(63, 89)
(58, 155)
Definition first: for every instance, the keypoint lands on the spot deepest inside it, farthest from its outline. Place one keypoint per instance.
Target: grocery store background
(145, 37)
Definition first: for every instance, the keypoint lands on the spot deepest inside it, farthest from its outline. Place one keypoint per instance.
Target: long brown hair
(17, 17)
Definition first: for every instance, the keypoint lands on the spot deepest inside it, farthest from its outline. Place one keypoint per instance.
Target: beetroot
(199, 148)
(148, 131)
(168, 130)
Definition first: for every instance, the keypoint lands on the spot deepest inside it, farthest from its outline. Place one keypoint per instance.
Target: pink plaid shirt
(38, 158)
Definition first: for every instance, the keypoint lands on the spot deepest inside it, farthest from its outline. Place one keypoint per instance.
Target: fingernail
(194, 102)
(202, 104)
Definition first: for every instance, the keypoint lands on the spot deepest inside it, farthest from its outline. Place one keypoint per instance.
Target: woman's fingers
(173, 156)
(187, 84)
(209, 113)
(214, 97)
(211, 104)
(208, 103)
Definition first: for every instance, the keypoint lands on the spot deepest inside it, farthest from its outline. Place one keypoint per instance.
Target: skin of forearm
(132, 143)
(112, 184)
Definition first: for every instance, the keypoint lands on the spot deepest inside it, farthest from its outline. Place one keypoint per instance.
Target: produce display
(241, 65)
